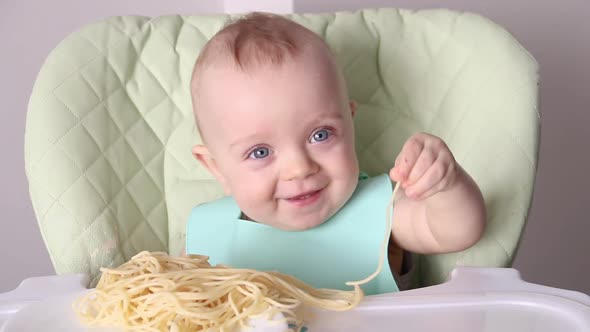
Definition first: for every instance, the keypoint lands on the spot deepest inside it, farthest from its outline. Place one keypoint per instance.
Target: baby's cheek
(345, 188)
(254, 196)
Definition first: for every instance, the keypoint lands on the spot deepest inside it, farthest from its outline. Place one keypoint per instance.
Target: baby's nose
(299, 166)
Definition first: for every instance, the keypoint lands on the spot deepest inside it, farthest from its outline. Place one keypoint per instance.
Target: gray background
(555, 245)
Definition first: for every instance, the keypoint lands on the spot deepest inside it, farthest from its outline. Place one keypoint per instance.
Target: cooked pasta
(158, 292)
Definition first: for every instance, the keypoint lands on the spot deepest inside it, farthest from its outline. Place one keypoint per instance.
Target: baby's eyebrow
(241, 140)
(335, 116)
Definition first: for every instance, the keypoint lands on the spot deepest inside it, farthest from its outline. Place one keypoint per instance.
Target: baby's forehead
(310, 66)
(231, 99)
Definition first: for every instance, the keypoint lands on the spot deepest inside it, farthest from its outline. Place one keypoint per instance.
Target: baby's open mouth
(305, 198)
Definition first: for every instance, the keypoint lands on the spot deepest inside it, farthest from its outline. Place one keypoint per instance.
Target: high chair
(110, 126)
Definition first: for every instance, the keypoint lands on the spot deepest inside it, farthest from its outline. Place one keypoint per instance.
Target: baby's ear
(352, 105)
(204, 156)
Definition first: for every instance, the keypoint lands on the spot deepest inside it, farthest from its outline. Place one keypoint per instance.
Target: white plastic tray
(474, 300)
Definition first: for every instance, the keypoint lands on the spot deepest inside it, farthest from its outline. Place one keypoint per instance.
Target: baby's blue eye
(259, 153)
(320, 136)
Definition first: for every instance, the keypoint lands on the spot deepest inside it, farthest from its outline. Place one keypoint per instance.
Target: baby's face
(282, 140)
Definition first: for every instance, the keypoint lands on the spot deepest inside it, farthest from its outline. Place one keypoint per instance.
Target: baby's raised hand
(425, 166)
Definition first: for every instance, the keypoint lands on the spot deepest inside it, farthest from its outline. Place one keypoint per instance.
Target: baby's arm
(442, 209)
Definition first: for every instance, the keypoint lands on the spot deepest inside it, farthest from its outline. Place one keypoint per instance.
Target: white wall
(555, 245)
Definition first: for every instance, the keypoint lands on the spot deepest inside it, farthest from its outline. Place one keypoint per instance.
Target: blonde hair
(257, 39)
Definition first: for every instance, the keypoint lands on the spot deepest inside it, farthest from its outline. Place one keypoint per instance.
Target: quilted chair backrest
(110, 127)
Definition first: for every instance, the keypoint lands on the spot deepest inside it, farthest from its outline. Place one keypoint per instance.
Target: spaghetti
(157, 292)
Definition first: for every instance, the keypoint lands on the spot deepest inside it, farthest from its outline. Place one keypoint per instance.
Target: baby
(277, 131)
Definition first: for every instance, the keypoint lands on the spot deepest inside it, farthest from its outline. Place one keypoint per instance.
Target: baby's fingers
(407, 159)
(425, 160)
(429, 184)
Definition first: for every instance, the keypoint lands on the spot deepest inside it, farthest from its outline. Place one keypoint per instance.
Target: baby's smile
(306, 198)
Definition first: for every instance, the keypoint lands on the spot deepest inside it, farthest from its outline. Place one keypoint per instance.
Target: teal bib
(347, 247)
